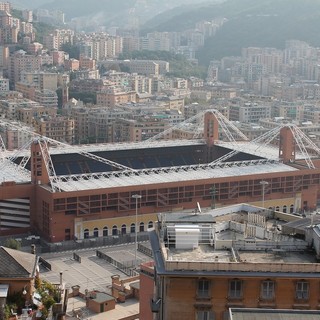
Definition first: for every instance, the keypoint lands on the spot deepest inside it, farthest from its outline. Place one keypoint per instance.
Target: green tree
(13, 244)
(72, 49)
(42, 29)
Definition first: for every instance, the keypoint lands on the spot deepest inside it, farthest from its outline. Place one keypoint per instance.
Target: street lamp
(24, 292)
(264, 184)
(213, 197)
(136, 196)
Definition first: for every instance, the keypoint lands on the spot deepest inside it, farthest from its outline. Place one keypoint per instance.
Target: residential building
(155, 41)
(4, 84)
(42, 80)
(71, 65)
(46, 98)
(114, 97)
(58, 128)
(28, 115)
(14, 139)
(9, 107)
(101, 121)
(233, 257)
(5, 6)
(140, 129)
(20, 62)
(18, 270)
(249, 112)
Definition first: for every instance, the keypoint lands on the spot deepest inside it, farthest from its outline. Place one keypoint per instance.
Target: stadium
(62, 192)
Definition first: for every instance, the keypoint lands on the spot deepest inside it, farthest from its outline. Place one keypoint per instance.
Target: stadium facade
(75, 192)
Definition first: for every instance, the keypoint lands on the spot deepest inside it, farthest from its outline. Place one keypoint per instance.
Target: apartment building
(9, 107)
(46, 98)
(130, 43)
(5, 6)
(28, 90)
(43, 80)
(140, 84)
(8, 31)
(100, 46)
(21, 62)
(27, 115)
(81, 123)
(115, 96)
(249, 112)
(71, 64)
(34, 48)
(155, 41)
(146, 67)
(87, 85)
(58, 57)
(173, 102)
(4, 84)
(231, 257)
(14, 138)
(100, 123)
(58, 128)
(87, 63)
(140, 129)
(4, 57)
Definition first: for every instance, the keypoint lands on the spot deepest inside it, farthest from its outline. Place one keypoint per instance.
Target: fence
(126, 267)
(145, 250)
(92, 242)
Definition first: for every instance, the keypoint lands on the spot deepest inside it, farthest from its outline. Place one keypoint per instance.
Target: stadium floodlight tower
(136, 196)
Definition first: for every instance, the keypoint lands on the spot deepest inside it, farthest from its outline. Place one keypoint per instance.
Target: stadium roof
(168, 175)
(11, 172)
(124, 146)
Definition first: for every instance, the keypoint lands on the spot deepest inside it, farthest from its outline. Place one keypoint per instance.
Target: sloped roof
(17, 264)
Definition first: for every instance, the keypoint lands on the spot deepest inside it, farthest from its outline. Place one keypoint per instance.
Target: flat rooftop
(235, 239)
(207, 253)
(93, 273)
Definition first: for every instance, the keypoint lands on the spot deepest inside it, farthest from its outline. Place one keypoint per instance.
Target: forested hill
(250, 23)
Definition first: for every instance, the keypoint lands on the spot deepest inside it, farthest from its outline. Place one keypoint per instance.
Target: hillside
(22, 4)
(144, 9)
(251, 23)
(81, 8)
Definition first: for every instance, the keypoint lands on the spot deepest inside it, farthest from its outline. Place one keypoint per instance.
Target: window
(267, 289)
(96, 232)
(132, 228)
(235, 289)
(86, 234)
(141, 227)
(123, 229)
(302, 290)
(67, 234)
(203, 288)
(205, 315)
(114, 230)
(150, 225)
(105, 231)
(292, 208)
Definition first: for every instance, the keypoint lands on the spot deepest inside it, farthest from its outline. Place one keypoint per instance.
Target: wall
(181, 302)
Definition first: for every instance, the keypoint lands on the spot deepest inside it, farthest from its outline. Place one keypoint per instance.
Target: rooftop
(267, 314)
(167, 175)
(232, 239)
